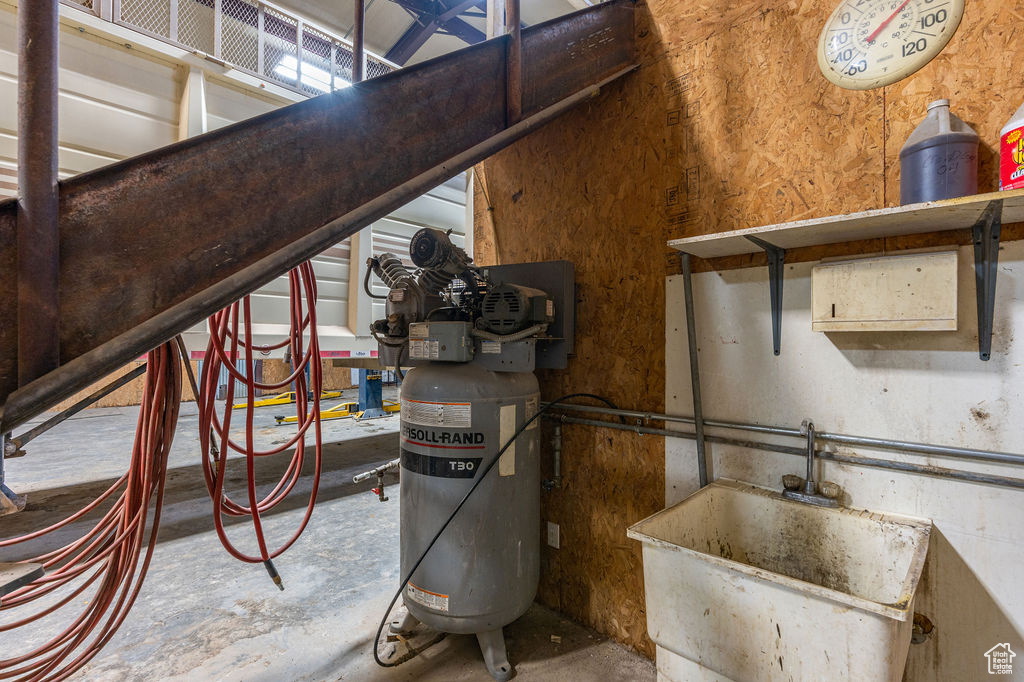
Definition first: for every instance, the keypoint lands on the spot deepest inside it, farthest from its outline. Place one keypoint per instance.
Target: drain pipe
(556, 457)
(358, 42)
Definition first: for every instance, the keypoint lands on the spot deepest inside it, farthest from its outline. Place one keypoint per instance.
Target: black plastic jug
(939, 159)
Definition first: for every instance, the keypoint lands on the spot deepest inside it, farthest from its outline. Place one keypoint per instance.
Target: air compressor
(473, 337)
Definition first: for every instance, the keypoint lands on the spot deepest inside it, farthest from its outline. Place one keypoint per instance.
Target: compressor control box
(440, 341)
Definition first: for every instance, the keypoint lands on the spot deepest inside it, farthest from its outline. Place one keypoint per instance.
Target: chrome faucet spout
(808, 428)
(809, 494)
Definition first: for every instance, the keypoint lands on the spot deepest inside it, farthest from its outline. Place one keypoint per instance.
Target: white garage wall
(926, 387)
(112, 105)
(118, 101)
(227, 104)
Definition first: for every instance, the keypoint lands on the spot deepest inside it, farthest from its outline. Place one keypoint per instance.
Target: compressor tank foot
(403, 625)
(492, 645)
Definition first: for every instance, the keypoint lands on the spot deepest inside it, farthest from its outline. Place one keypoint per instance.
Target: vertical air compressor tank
(482, 574)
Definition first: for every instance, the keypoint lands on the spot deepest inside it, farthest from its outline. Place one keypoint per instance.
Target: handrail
(241, 34)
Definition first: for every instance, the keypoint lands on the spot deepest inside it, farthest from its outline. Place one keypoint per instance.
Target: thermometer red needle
(871, 38)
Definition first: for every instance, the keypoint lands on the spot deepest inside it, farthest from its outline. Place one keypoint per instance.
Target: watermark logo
(1000, 659)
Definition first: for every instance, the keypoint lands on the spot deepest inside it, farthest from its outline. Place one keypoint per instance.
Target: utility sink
(751, 586)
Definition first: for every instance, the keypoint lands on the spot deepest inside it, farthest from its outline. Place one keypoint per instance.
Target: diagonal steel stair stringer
(154, 244)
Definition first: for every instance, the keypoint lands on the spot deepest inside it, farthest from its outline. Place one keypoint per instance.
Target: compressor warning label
(451, 415)
(432, 600)
(531, 409)
(424, 349)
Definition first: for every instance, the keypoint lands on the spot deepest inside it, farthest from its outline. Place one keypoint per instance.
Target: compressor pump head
(447, 309)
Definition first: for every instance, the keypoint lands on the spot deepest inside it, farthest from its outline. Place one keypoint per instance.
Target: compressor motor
(473, 337)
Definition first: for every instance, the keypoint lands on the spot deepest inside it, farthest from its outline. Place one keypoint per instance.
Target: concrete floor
(203, 615)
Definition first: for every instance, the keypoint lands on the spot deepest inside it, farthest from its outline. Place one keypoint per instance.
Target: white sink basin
(752, 586)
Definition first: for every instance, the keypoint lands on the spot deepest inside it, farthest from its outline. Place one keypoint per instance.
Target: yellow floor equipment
(286, 399)
(341, 411)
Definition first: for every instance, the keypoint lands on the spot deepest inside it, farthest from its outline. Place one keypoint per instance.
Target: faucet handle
(792, 482)
(831, 490)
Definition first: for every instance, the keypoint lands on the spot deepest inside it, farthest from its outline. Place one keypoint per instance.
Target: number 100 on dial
(870, 43)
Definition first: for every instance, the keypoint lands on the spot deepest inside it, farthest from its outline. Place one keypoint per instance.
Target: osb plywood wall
(335, 379)
(129, 394)
(727, 124)
(763, 138)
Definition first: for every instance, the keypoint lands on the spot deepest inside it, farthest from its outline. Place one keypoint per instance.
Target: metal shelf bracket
(986, 264)
(776, 263)
(691, 338)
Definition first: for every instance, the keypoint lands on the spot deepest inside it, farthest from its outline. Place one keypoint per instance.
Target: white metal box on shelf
(915, 292)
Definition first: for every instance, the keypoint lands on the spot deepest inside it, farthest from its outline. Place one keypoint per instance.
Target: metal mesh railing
(240, 40)
(195, 24)
(252, 37)
(317, 54)
(87, 4)
(343, 63)
(374, 67)
(151, 17)
(280, 47)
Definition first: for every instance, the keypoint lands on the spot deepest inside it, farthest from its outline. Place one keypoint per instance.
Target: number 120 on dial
(870, 43)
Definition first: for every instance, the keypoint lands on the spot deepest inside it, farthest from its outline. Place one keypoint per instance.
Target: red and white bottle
(1011, 153)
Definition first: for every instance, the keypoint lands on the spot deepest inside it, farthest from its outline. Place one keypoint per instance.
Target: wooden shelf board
(936, 216)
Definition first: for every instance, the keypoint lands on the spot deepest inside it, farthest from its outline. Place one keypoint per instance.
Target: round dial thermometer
(870, 43)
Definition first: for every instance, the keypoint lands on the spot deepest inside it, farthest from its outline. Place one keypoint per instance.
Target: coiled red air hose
(114, 555)
(230, 339)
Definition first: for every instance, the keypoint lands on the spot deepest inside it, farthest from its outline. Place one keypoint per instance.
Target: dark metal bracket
(986, 264)
(698, 407)
(776, 263)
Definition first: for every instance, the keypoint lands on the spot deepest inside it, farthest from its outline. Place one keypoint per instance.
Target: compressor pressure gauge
(870, 43)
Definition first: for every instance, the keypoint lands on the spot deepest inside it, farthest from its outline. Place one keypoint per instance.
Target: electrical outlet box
(553, 539)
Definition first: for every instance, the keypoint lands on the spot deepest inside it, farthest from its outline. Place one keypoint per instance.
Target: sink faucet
(809, 493)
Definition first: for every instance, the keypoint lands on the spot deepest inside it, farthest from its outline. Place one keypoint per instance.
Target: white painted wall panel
(8, 181)
(925, 387)
(441, 207)
(117, 102)
(227, 104)
(113, 103)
